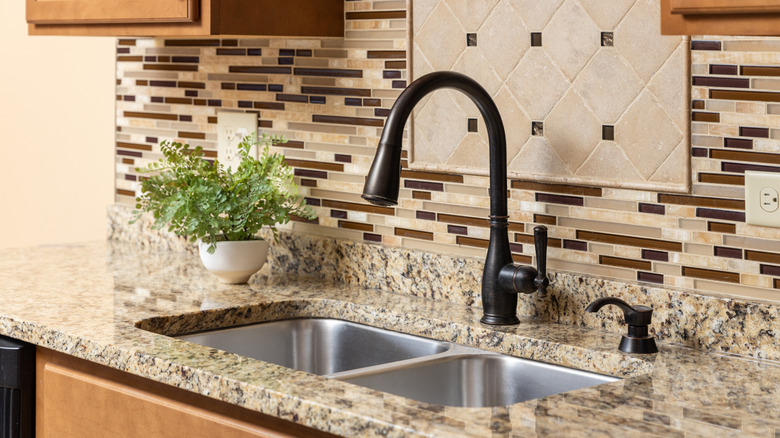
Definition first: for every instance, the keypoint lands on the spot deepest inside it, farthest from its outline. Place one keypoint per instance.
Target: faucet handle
(638, 319)
(540, 242)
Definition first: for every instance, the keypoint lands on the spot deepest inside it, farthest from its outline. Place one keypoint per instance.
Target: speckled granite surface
(86, 300)
(715, 323)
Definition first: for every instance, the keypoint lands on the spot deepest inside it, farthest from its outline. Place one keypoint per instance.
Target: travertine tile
(571, 23)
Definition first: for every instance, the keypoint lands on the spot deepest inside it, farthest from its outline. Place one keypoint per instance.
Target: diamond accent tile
(504, 49)
(647, 134)
(572, 130)
(608, 85)
(571, 38)
(537, 83)
(571, 84)
(470, 13)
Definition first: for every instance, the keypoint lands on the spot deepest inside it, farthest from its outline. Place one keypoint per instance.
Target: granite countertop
(94, 300)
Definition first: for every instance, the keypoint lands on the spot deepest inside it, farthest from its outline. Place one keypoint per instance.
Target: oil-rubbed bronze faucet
(638, 318)
(502, 279)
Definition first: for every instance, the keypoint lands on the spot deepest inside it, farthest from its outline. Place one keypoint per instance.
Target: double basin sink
(421, 369)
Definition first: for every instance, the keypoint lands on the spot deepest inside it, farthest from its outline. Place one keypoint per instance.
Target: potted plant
(221, 208)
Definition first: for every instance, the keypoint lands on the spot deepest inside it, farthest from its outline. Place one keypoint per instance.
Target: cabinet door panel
(111, 11)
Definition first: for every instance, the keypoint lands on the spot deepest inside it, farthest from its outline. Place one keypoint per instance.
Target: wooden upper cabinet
(321, 18)
(720, 17)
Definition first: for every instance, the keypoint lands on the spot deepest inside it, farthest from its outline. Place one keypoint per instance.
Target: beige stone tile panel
(537, 83)
(608, 162)
(670, 86)
(639, 40)
(569, 24)
(503, 39)
(438, 38)
(608, 85)
(471, 14)
(439, 128)
(537, 157)
(572, 130)
(607, 14)
(536, 14)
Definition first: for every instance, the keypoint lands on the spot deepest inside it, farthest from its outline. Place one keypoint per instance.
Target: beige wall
(56, 134)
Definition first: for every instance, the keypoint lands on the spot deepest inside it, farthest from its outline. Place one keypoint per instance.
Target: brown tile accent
(719, 178)
(552, 242)
(755, 96)
(710, 274)
(212, 120)
(776, 285)
(416, 234)
(156, 116)
(192, 43)
(341, 120)
(700, 152)
(698, 116)
(709, 213)
(651, 208)
(746, 131)
(559, 199)
(129, 58)
(386, 54)
(372, 102)
(190, 84)
(125, 192)
(178, 100)
(457, 229)
(761, 256)
(545, 219)
(372, 237)
(433, 176)
(329, 72)
(721, 69)
(308, 182)
(194, 135)
(720, 227)
(421, 195)
(697, 104)
(292, 98)
(463, 220)
(629, 241)
(170, 67)
(129, 161)
(770, 270)
(738, 143)
(310, 173)
(139, 147)
(556, 188)
(126, 42)
(705, 45)
(375, 15)
(368, 208)
(356, 226)
(741, 168)
(522, 259)
(296, 218)
(706, 81)
(650, 277)
(471, 241)
(734, 204)
(330, 91)
(231, 52)
(660, 256)
(424, 185)
(341, 158)
(267, 70)
(425, 215)
(395, 64)
(733, 253)
(575, 245)
(315, 165)
(748, 70)
(625, 263)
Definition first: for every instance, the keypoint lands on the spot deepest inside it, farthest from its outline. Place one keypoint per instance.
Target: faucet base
(499, 319)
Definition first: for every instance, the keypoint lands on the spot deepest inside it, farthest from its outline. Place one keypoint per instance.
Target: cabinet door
(720, 17)
(111, 11)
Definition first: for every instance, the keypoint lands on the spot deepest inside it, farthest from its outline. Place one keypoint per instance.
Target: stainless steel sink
(319, 346)
(479, 380)
(426, 370)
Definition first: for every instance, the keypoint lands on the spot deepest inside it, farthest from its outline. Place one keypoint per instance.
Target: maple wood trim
(77, 398)
(758, 24)
(111, 11)
(704, 7)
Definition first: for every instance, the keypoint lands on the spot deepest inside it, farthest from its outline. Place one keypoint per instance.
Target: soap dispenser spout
(501, 279)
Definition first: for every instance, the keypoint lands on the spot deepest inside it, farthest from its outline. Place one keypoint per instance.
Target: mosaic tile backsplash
(590, 91)
(329, 96)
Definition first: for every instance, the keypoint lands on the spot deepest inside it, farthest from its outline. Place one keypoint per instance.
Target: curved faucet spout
(501, 279)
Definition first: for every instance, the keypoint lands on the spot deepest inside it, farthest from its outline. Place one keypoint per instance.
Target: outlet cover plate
(231, 128)
(761, 198)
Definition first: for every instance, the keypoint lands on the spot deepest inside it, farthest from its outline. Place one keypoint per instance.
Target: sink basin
(319, 346)
(479, 380)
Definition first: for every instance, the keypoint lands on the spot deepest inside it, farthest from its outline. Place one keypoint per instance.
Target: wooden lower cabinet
(77, 398)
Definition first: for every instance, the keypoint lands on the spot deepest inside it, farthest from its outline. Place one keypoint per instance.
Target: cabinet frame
(111, 11)
(720, 17)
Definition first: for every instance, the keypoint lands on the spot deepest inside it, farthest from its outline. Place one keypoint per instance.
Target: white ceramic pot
(235, 262)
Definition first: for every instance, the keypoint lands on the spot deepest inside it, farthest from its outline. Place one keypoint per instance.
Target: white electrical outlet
(762, 198)
(232, 128)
